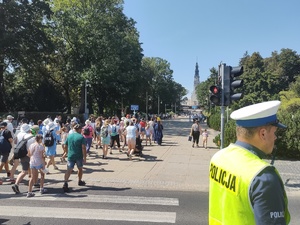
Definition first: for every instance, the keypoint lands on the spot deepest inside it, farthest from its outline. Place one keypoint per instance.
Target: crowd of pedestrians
(40, 142)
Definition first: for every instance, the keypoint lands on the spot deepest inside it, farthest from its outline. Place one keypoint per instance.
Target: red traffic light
(214, 89)
(216, 94)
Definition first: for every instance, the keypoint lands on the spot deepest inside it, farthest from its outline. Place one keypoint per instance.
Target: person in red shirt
(88, 134)
(143, 128)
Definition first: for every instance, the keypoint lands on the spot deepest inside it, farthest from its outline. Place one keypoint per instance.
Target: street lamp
(158, 105)
(86, 110)
(175, 108)
(147, 105)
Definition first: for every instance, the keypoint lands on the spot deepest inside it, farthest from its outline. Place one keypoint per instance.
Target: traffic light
(230, 84)
(216, 96)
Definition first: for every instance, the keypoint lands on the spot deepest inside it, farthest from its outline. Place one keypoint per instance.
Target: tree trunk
(82, 95)
(2, 30)
(68, 100)
(100, 108)
(2, 88)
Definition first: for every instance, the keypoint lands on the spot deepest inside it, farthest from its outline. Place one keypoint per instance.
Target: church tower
(194, 100)
(196, 77)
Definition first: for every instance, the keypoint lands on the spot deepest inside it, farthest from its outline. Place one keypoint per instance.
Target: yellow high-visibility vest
(231, 172)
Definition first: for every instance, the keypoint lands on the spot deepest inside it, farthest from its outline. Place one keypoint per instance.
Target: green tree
(268, 79)
(101, 45)
(23, 41)
(203, 93)
(158, 81)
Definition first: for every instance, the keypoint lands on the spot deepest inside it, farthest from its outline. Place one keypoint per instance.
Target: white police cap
(258, 115)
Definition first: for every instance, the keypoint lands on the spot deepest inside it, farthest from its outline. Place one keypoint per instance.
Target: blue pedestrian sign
(134, 107)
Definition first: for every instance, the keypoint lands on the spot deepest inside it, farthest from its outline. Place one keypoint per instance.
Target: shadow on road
(289, 183)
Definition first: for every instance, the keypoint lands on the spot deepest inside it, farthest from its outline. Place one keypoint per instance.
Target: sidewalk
(173, 166)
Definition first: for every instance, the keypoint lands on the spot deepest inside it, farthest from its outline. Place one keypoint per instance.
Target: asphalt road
(107, 206)
(112, 206)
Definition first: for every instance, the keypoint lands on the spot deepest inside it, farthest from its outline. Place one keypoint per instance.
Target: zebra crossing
(83, 213)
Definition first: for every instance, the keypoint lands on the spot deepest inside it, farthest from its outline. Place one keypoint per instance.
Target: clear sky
(209, 32)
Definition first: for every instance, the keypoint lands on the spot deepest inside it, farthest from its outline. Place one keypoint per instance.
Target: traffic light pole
(223, 95)
(221, 71)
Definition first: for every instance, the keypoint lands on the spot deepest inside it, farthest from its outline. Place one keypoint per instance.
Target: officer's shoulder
(269, 173)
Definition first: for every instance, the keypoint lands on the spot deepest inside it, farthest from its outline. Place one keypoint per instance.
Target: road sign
(194, 107)
(134, 107)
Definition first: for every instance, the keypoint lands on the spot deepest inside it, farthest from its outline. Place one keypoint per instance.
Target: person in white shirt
(10, 127)
(37, 163)
(24, 133)
(45, 123)
(131, 134)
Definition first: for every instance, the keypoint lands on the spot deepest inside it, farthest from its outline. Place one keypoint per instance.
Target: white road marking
(101, 198)
(89, 214)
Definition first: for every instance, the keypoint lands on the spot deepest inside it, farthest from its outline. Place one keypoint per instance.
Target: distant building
(194, 100)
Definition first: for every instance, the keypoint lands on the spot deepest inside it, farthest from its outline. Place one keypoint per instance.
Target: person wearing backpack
(105, 137)
(50, 138)
(45, 123)
(115, 135)
(5, 147)
(15, 162)
(88, 134)
(25, 133)
(58, 124)
(98, 126)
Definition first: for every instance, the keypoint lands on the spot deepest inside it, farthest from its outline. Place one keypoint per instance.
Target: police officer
(245, 189)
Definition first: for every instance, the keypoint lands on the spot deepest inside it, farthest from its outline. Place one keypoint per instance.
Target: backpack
(20, 150)
(4, 144)
(49, 139)
(104, 132)
(137, 127)
(86, 131)
(114, 130)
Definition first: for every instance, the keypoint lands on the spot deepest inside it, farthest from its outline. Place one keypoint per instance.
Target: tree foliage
(273, 78)
(51, 48)
(203, 88)
(23, 40)
(158, 82)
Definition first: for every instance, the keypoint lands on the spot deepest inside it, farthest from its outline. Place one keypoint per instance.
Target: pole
(146, 105)
(122, 106)
(85, 100)
(227, 114)
(222, 105)
(86, 110)
(175, 108)
(158, 103)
